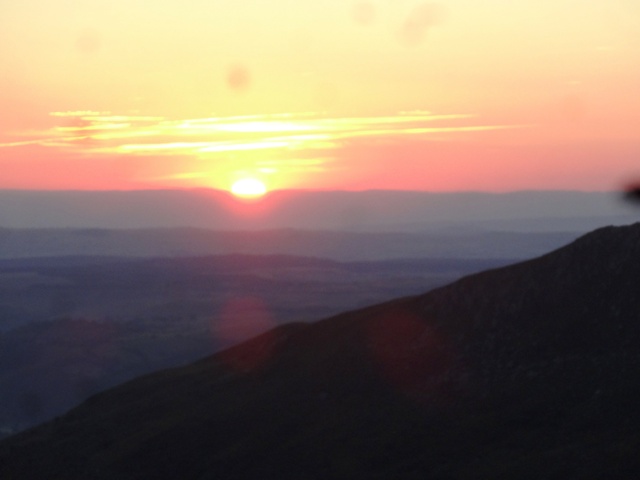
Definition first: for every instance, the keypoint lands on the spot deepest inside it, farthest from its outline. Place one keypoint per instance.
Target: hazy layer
(369, 211)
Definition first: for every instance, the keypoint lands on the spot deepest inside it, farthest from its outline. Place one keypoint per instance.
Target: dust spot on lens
(238, 78)
(411, 356)
(419, 21)
(363, 13)
(240, 319)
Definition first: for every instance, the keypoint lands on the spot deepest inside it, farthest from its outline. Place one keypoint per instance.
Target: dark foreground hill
(526, 372)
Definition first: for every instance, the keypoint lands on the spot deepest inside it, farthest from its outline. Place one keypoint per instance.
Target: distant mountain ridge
(335, 245)
(523, 372)
(349, 211)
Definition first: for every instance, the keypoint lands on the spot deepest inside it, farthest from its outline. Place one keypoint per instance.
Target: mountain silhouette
(524, 372)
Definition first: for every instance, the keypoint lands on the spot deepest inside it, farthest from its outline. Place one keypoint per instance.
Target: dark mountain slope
(525, 372)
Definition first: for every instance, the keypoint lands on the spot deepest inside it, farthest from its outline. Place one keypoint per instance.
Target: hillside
(523, 372)
(71, 327)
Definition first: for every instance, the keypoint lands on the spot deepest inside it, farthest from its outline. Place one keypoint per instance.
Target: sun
(248, 188)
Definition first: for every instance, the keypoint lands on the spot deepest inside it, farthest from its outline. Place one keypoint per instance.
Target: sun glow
(248, 188)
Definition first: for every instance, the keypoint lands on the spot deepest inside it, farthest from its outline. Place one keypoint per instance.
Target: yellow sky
(458, 94)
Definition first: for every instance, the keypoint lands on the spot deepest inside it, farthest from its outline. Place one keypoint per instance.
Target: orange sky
(453, 95)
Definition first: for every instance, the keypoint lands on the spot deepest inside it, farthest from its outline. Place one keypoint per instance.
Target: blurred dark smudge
(632, 193)
(419, 21)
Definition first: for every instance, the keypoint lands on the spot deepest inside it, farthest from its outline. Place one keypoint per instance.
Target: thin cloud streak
(112, 132)
(268, 144)
(220, 134)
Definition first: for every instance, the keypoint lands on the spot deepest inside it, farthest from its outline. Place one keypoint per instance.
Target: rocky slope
(528, 371)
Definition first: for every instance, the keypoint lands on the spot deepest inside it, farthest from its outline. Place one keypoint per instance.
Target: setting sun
(248, 188)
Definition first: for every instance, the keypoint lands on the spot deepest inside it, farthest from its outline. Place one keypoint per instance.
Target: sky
(453, 95)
